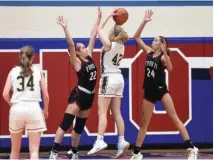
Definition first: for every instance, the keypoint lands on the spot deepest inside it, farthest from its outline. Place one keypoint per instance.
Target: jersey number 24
(150, 73)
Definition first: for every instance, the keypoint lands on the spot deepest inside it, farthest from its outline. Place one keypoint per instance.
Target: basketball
(121, 17)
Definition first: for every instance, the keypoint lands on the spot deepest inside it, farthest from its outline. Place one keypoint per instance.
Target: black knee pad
(67, 121)
(80, 124)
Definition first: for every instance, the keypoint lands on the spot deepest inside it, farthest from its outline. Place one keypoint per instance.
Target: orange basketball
(121, 17)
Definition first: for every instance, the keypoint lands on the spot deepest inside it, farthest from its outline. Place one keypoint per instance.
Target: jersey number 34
(22, 83)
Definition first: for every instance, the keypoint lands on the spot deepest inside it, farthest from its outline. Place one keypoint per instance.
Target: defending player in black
(155, 88)
(81, 98)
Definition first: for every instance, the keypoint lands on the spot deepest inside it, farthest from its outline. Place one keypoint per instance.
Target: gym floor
(110, 154)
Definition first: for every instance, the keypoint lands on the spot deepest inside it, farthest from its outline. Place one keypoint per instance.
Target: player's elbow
(138, 40)
(107, 46)
(46, 97)
(170, 68)
(136, 37)
(5, 95)
(71, 46)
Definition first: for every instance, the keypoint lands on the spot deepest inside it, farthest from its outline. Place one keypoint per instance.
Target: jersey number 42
(117, 58)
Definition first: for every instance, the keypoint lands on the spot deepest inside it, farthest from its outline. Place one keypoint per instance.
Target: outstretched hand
(148, 15)
(99, 12)
(113, 12)
(62, 22)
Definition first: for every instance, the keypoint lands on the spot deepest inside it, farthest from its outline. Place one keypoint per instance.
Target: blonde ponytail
(120, 34)
(123, 36)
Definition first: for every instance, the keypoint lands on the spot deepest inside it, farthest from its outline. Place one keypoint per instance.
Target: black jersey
(87, 75)
(154, 72)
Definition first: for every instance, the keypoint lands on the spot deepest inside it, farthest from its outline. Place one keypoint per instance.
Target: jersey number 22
(93, 76)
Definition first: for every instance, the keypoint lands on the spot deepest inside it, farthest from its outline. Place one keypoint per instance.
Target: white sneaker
(98, 146)
(137, 156)
(72, 155)
(192, 153)
(122, 148)
(53, 155)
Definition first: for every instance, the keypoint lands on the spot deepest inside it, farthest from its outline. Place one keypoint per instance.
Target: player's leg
(81, 119)
(123, 145)
(103, 104)
(104, 99)
(116, 112)
(35, 124)
(116, 105)
(16, 127)
(147, 111)
(34, 144)
(69, 115)
(16, 139)
(170, 109)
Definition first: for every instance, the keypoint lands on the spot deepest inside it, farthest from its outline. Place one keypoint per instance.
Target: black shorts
(82, 99)
(155, 94)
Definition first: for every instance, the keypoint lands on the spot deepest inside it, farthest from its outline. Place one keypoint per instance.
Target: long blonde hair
(119, 34)
(26, 55)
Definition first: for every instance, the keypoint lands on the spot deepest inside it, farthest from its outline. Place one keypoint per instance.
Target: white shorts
(111, 85)
(28, 116)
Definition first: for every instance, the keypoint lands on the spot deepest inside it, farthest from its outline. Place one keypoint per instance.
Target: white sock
(99, 137)
(121, 138)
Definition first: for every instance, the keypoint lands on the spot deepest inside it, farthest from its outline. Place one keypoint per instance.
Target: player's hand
(113, 12)
(163, 46)
(62, 22)
(99, 13)
(45, 111)
(148, 15)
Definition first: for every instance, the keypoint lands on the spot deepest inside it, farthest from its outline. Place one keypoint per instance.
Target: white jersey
(25, 89)
(110, 60)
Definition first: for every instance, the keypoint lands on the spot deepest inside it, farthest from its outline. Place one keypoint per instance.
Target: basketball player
(155, 88)
(111, 85)
(81, 98)
(26, 83)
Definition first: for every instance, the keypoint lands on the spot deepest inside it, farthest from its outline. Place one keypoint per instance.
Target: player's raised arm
(166, 53)
(147, 18)
(94, 32)
(71, 48)
(104, 38)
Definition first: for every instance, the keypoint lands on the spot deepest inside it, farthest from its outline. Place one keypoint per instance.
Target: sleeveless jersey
(110, 60)
(154, 72)
(87, 76)
(25, 89)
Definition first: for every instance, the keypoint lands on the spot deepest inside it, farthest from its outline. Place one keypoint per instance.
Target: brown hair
(120, 34)
(77, 49)
(26, 55)
(162, 39)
